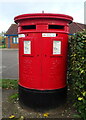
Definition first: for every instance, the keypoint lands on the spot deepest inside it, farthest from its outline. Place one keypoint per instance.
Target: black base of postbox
(42, 98)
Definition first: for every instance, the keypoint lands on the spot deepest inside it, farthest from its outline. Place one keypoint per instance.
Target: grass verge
(3, 46)
(9, 83)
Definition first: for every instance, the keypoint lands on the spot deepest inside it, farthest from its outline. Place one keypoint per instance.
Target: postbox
(43, 46)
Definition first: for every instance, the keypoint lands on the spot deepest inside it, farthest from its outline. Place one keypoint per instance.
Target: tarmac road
(9, 64)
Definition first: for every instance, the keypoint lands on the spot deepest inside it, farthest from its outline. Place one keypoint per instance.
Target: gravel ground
(12, 107)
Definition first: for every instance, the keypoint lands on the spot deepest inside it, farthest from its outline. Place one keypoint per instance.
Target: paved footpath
(11, 107)
(9, 67)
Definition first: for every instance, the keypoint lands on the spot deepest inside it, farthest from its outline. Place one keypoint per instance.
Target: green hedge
(77, 70)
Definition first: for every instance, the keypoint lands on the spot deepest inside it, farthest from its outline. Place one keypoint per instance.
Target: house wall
(12, 45)
(6, 41)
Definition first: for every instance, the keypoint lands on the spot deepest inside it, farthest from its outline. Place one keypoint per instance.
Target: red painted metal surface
(41, 69)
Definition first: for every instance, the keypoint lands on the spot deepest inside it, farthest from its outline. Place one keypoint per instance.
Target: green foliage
(9, 84)
(14, 96)
(77, 70)
(0, 82)
(3, 46)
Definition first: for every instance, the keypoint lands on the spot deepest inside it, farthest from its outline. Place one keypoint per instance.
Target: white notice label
(56, 47)
(48, 34)
(27, 47)
(21, 35)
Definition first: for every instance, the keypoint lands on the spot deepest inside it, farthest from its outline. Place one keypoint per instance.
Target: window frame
(16, 40)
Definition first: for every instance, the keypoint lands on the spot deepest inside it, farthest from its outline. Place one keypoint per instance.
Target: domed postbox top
(43, 15)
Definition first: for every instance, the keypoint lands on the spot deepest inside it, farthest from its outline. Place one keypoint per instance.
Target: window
(28, 27)
(15, 40)
(56, 27)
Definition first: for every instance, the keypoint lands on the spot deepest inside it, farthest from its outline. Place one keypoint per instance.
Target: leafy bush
(77, 70)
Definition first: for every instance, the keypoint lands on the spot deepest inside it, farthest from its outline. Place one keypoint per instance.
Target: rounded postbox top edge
(43, 15)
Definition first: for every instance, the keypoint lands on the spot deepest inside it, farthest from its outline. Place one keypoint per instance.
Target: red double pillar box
(43, 47)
